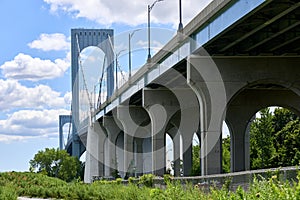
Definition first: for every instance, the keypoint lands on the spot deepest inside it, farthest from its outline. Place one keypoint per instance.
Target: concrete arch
(225, 78)
(244, 105)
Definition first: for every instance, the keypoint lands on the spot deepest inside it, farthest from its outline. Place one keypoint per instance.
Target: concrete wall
(234, 180)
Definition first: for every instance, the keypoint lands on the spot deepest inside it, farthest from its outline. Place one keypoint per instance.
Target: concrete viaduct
(233, 59)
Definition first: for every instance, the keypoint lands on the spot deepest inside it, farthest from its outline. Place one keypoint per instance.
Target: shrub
(8, 193)
(119, 181)
(167, 179)
(131, 180)
(147, 180)
(15, 184)
(157, 194)
(175, 191)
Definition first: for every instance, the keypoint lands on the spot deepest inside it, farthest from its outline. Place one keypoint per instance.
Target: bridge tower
(63, 119)
(80, 39)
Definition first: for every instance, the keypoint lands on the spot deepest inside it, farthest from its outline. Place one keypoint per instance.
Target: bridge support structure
(234, 89)
(173, 111)
(63, 119)
(112, 130)
(218, 89)
(80, 39)
(135, 123)
(161, 106)
(94, 162)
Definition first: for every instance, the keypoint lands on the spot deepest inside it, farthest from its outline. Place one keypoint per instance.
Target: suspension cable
(100, 82)
(122, 74)
(70, 123)
(83, 76)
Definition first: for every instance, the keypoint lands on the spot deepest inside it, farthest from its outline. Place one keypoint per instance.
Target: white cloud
(10, 138)
(133, 12)
(49, 42)
(40, 107)
(68, 98)
(25, 67)
(31, 123)
(13, 95)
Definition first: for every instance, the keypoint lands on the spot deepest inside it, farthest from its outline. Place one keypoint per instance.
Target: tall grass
(14, 184)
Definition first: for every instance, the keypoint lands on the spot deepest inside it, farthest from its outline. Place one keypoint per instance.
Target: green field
(14, 184)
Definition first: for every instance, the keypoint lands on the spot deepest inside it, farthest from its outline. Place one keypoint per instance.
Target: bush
(13, 184)
(119, 181)
(131, 180)
(157, 194)
(147, 180)
(8, 193)
(167, 179)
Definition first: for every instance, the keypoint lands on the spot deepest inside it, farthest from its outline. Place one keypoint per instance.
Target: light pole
(149, 10)
(129, 49)
(180, 26)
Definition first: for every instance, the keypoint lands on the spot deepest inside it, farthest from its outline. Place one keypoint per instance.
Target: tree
(56, 163)
(275, 139)
(261, 140)
(282, 121)
(274, 142)
(196, 170)
(282, 117)
(288, 150)
(226, 155)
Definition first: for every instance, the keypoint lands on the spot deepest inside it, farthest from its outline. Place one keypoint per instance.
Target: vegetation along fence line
(231, 180)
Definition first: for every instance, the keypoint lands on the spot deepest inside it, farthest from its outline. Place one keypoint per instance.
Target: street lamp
(149, 10)
(180, 26)
(129, 49)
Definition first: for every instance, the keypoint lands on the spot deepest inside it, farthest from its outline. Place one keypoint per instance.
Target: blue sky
(35, 61)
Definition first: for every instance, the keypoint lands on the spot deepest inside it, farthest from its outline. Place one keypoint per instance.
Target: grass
(14, 184)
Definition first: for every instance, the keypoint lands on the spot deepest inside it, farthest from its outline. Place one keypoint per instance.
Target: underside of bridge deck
(271, 29)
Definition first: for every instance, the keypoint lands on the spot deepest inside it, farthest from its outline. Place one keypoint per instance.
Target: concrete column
(94, 163)
(176, 142)
(113, 130)
(139, 157)
(131, 118)
(204, 77)
(187, 129)
(238, 118)
(161, 106)
(187, 156)
(211, 155)
(158, 154)
(238, 151)
(129, 162)
(120, 155)
(240, 139)
(175, 134)
(237, 122)
(147, 154)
